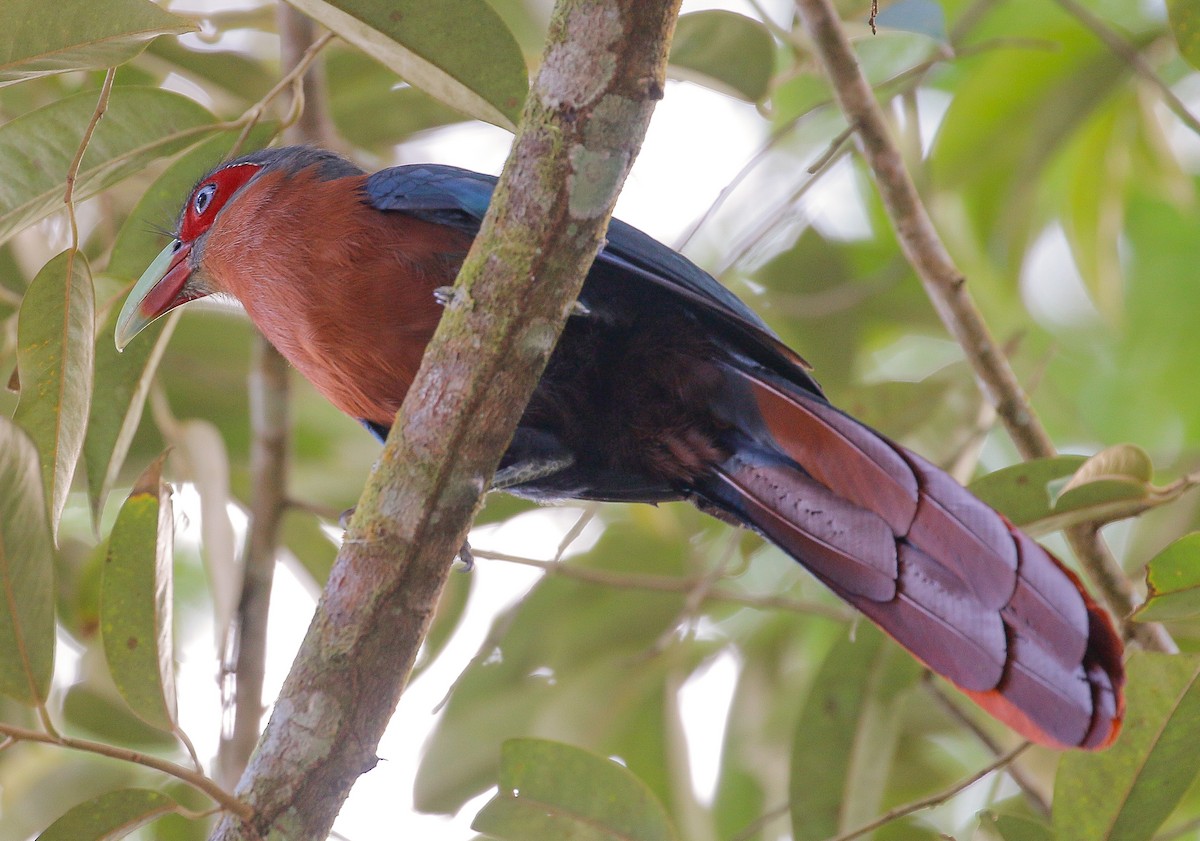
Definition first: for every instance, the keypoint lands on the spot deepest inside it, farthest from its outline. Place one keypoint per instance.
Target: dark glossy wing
(459, 198)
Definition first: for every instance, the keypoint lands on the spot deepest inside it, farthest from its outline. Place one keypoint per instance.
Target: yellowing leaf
(135, 601)
(111, 815)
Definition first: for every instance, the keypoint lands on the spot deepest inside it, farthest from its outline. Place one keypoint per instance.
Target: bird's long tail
(951, 580)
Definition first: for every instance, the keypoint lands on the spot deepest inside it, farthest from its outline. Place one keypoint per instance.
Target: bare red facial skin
(210, 196)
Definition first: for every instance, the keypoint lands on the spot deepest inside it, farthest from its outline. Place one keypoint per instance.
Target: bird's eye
(203, 198)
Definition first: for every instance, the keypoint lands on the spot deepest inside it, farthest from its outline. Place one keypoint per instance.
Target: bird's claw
(466, 557)
(443, 295)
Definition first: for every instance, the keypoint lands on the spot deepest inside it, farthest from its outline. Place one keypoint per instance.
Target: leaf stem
(193, 778)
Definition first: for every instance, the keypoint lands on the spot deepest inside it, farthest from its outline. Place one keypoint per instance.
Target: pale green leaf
(726, 51)
(141, 125)
(552, 790)
(55, 357)
(37, 40)
(26, 572)
(1121, 461)
(1127, 791)
(459, 51)
(110, 816)
(199, 444)
(135, 601)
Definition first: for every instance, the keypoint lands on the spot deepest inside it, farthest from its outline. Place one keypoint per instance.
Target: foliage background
(1056, 168)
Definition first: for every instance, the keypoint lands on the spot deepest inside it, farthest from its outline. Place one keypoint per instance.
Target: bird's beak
(158, 291)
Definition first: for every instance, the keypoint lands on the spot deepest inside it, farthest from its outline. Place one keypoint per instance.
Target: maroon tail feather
(951, 580)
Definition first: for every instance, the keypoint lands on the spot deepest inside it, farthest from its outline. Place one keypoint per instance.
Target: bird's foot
(444, 295)
(344, 517)
(579, 309)
(466, 557)
(529, 471)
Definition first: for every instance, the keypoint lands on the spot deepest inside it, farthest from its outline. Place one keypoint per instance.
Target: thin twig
(193, 778)
(1036, 799)
(751, 829)
(293, 80)
(934, 799)
(77, 161)
(947, 289)
(669, 584)
(1130, 55)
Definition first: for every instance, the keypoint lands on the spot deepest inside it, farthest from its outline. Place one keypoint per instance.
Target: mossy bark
(583, 123)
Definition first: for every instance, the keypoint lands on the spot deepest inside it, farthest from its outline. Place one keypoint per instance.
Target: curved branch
(582, 125)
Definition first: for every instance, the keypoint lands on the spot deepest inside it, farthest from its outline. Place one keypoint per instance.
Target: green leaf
(135, 601)
(1185, 26)
(1127, 791)
(372, 108)
(55, 357)
(1173, 582)
(1013, 820)
(243, 76)
(26, 572)
(141, 125)
(459, 51)
(101, 715)
(78, 35)
(124, 380)
(847, 734)
(111, 815)
(725, 51)
(552, 790)
(1022, 492)
(1095, 213)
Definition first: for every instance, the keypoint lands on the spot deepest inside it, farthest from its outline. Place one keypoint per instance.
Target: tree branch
(947, 289)
(582, 126)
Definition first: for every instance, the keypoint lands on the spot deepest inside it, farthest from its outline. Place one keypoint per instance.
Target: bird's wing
(459, 198)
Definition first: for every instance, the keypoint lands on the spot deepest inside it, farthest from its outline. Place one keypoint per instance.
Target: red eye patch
(210, 196)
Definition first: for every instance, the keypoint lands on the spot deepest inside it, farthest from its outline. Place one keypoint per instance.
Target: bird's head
(176, 275)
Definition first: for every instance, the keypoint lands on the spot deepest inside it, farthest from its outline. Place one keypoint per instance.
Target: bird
(663, 386)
